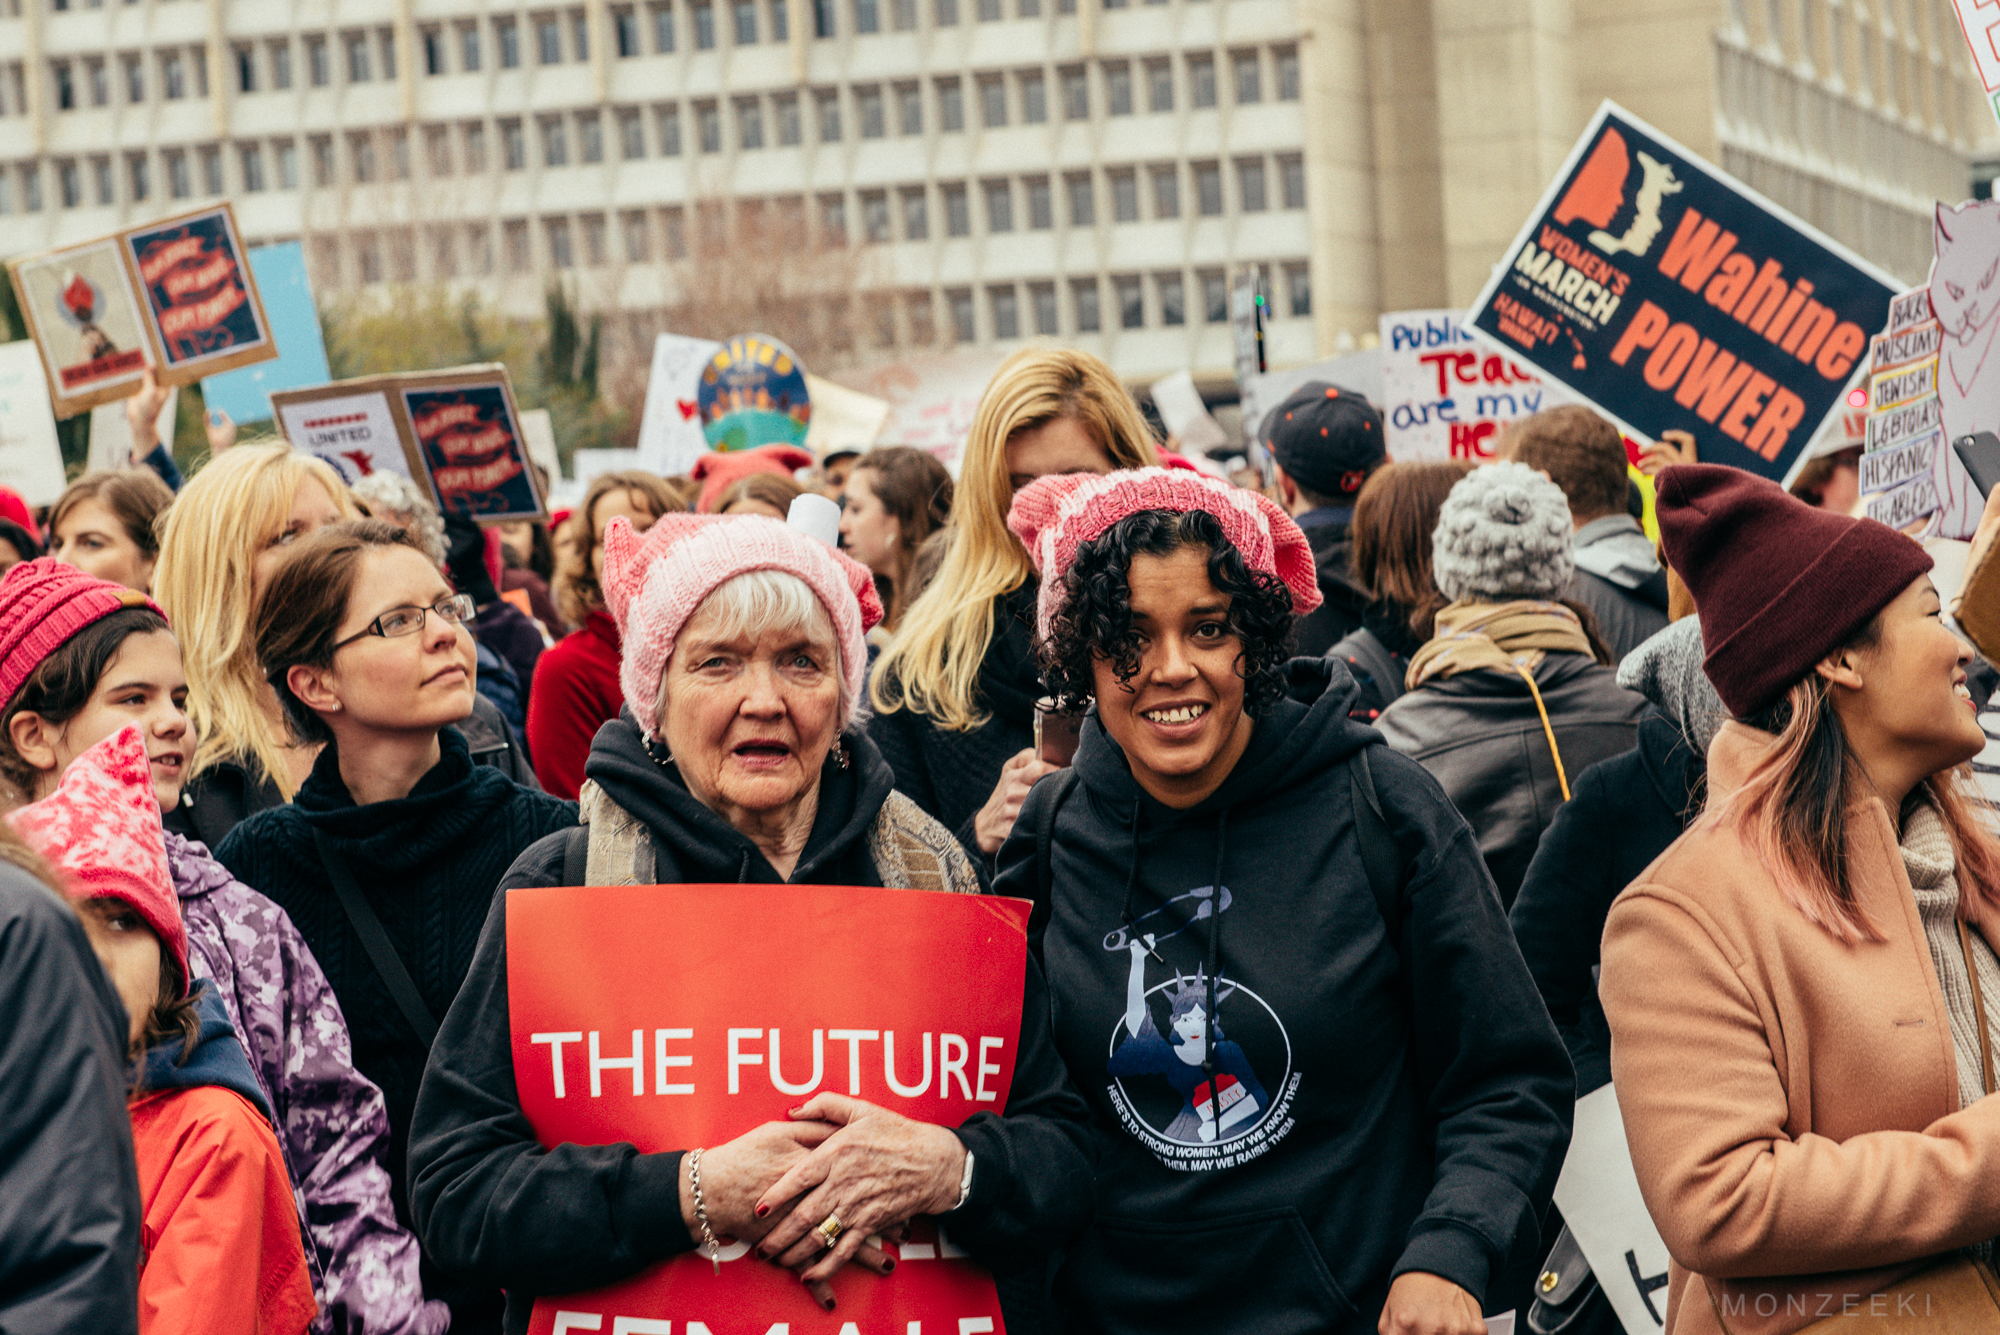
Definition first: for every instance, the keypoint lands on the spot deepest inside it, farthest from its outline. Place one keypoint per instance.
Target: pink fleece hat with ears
(654, 582)
(101, 828)
(1053, 516)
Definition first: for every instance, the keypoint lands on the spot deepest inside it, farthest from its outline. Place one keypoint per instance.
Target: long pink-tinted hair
(1792, 811)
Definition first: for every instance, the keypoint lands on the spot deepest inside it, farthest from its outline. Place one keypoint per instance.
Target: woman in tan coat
(1795, 987)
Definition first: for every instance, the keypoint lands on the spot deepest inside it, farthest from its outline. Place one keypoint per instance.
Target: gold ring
(830, 1229)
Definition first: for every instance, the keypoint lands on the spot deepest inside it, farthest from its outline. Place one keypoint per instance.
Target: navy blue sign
(1671, 296)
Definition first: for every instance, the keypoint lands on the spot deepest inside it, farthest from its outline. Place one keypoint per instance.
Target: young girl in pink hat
(82, 659)
(220, 1242)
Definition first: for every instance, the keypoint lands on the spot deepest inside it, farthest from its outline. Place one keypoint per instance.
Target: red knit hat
(43, 604)
(101, 828)
(1778, 584)
(14, 508)
(1053, 516)
(719, 470)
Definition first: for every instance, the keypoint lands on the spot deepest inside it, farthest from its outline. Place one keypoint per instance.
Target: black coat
(493, 1203)
(1481, 735)
(69, 1191)
(951, 774)
(1341, 613)
(227, 794)
(428, 865)
(1386, 1104)
(1623, 814)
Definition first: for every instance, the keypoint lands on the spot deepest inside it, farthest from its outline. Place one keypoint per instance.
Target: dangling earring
(661, 756)
(840, 753)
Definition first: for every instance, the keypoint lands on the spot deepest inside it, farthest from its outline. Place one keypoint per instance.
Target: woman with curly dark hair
(1324, 1091)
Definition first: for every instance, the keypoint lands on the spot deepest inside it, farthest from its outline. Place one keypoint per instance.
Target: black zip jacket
(491, 1202)
(1623, 814)
(1370, 1108)
(69, 1191)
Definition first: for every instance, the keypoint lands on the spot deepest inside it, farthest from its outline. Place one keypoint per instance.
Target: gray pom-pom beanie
(1504, 533)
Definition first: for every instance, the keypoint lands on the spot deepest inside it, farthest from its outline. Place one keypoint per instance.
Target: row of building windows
(993, 100)
(1089, 304)
(1158, 191)
(863, 16)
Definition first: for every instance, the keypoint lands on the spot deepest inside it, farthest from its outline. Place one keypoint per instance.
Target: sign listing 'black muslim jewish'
(1672, 296)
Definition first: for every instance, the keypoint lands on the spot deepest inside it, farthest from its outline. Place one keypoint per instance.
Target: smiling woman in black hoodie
(1325, 1091)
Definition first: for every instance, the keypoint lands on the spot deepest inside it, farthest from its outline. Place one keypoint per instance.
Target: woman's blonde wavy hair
(231, 510)
(933, 666)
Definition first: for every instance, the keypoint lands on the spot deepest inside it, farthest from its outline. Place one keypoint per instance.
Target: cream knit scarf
(1507, 636)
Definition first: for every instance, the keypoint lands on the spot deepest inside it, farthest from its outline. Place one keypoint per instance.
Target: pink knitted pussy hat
(101, 828)
(1053, 516)
(654, 582)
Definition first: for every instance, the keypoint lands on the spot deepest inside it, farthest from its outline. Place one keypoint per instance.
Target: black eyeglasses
(455, 608)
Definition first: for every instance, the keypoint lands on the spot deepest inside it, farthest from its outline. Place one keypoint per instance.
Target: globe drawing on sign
(752, 393)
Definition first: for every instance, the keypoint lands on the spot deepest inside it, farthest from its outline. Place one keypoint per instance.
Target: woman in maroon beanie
(1798, 990)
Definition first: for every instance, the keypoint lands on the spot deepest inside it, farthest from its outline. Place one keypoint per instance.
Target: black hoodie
(492, 1203)
(1385, 1108)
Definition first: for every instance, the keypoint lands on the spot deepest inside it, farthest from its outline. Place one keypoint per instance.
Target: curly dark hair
(1095, 619)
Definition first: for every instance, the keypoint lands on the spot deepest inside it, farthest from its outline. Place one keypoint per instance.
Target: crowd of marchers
(1370, 816)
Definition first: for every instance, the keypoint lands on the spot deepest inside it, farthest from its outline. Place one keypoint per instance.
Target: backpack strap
(1060, 784)
(382, 954)
(576, 855)
(1379, 856)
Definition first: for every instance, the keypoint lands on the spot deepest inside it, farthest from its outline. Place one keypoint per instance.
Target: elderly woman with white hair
(735, 760)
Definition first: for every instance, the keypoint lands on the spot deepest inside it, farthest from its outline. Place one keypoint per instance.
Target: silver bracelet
(964, 1182)
(708, 1238)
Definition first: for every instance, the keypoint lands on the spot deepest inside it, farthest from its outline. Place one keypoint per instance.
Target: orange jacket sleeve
(221, 1235)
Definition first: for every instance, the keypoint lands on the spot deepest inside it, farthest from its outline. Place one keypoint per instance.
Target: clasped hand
(775, 1185)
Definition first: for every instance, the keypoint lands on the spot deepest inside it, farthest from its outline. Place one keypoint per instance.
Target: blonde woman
(955, 695)
(226, 532)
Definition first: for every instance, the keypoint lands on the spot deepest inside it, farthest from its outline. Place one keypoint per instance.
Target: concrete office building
(1091, 170)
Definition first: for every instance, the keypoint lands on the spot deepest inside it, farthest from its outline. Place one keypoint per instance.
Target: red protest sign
(677, 1016)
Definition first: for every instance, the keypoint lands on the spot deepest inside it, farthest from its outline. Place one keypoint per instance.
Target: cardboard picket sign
(456, 433)
(467, 431)
(352, 426)
(176, 294)
(676, 1016)
(83, 315)
(1670, 295)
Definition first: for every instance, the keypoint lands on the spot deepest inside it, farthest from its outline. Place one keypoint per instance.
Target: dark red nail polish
(763, 1210)
(887, 1266)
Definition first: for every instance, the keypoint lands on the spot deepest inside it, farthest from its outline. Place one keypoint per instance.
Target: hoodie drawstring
(1132, 871)
(1214, 961)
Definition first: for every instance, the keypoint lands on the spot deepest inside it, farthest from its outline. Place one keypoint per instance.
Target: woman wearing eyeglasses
(387, 857)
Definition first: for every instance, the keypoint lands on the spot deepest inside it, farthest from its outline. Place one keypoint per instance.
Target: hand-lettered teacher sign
(677, 1016)
(473, 449)
(1672, 296)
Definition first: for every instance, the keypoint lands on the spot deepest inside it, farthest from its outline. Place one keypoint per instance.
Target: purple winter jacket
(331, 1121)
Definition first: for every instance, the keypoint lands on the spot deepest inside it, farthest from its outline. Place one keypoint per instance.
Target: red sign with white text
(685, 1015)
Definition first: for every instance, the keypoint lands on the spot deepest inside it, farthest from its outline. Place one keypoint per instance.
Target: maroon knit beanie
(43, 604)
(1778, 584)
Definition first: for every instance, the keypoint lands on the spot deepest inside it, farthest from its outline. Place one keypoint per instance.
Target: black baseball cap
(1328, 439)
